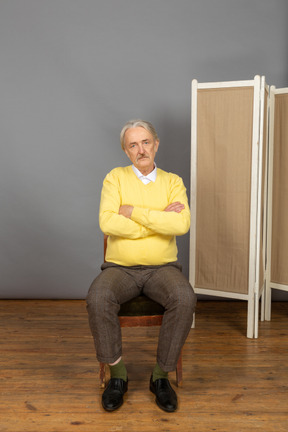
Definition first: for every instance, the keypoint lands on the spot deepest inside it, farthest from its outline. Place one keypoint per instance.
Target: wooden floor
(49, 375)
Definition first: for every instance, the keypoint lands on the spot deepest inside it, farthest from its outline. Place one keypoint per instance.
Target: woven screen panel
(279, 249)
(224, 153)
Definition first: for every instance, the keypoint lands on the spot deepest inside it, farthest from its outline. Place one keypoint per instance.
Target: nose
(141, 149)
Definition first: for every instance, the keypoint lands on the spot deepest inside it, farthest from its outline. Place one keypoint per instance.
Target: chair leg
(102, 375)
(193, 322)
(179, 379)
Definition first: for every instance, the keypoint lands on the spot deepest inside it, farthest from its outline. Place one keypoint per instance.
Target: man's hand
(126, 210)
(175, 207)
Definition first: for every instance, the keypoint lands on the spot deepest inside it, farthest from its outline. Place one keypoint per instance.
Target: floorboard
(49, 373)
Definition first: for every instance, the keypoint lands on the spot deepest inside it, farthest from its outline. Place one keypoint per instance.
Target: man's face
(141, 148)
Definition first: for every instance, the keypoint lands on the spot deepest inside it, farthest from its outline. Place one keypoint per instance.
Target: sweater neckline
(148, 185)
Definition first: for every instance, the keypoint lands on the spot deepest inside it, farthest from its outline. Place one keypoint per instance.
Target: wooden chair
(140, 312)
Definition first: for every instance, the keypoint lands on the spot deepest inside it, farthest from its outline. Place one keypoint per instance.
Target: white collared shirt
(146, 179)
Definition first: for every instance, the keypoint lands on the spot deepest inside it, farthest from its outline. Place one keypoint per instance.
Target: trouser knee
(100, 300)
(184, 300)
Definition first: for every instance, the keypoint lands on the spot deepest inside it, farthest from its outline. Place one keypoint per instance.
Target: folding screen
(228, 170)
(277, 260)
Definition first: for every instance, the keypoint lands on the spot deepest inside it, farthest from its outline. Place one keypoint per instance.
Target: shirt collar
(146, 179)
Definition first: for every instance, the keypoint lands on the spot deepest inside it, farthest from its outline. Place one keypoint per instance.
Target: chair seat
(141, 306)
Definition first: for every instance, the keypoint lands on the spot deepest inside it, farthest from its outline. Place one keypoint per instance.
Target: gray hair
(137, 123)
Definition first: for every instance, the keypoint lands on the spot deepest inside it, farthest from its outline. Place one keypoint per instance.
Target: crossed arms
(126, 210)
(128, 221)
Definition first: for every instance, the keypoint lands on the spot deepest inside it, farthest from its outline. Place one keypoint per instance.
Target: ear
(156, 145)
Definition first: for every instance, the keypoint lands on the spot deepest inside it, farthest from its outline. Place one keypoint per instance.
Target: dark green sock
(118, 371)
(158, 373)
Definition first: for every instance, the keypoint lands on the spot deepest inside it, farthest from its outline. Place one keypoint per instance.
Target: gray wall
(72, 73)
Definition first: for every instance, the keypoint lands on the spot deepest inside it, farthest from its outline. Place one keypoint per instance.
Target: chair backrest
(105, 245)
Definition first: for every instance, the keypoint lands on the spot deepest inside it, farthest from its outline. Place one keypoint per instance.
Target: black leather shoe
(112, 397)
(166, 397)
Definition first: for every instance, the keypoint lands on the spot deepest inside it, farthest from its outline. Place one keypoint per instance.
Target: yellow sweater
(148, 238)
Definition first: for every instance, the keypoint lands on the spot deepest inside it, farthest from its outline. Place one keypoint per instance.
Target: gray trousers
(117, 284)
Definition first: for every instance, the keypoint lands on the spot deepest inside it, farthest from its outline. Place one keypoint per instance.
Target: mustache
(142, 157)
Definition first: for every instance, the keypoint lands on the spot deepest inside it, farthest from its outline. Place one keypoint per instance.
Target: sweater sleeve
(162, 222)
(111, 223)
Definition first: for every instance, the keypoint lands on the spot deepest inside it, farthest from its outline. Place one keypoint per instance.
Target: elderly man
(142, 209)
